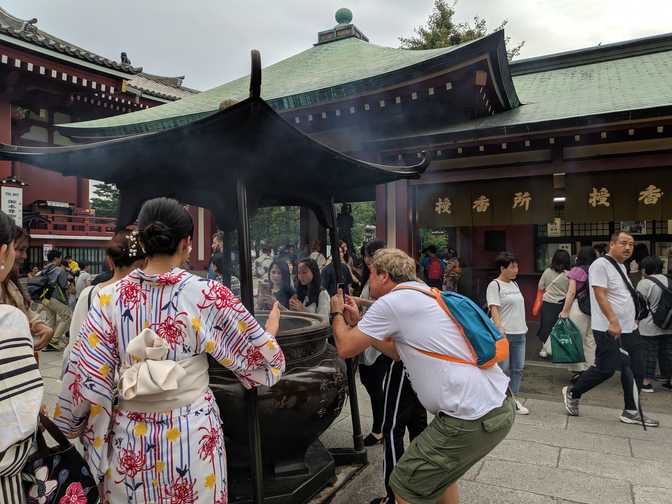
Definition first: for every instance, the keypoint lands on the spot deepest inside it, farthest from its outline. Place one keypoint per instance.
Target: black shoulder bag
(641, 305)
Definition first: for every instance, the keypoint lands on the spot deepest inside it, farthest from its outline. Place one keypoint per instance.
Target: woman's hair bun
(163, 222)
(157, 239)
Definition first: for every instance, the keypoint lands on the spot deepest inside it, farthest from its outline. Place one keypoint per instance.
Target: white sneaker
(520, 409)
(543, 354)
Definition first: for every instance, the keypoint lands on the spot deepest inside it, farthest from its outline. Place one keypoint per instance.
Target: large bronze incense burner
(297, 410)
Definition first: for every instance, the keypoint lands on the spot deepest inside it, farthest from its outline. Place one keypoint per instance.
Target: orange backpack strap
(436, 294)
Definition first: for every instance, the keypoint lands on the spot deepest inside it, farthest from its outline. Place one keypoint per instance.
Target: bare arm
(496, 318)
(601, 296)
(350, 341)
(569, 299)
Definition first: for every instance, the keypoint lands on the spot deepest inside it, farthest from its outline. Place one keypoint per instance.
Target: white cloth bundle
(153, 383)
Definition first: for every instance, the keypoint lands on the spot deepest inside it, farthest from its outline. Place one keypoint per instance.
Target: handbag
(59, 474)
(566, 343)
(539, 300)
(641, 305)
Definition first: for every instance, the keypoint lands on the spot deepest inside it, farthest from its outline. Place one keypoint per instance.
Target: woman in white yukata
(146, 339)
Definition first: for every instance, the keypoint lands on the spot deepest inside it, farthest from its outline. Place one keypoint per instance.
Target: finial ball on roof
(344, 16)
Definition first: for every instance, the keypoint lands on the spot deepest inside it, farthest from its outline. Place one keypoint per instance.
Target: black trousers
(658, 351)
(402, 411)
(373, 379)
(609, 359)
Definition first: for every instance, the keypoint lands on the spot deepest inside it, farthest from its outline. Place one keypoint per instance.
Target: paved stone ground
(548, 458)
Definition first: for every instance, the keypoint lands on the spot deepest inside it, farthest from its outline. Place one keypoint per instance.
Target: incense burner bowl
(299, 408)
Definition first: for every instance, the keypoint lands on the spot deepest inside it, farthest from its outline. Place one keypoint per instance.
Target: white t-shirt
(653, 294)
(79, 315)
(511, 303)
(323, 304)
(414, 320)
(603, 274)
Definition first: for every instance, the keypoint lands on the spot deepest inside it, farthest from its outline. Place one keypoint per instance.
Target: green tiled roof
(323, 72)
(622, 85)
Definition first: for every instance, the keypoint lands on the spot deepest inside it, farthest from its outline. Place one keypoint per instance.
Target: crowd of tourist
(414, 355)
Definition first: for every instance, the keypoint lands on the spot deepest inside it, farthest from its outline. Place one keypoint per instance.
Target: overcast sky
(209, 40)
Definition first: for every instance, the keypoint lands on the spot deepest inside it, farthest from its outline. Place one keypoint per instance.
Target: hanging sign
(12, 203)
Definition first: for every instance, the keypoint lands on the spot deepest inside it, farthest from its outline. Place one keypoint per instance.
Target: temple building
(45, 81)
(529, 156)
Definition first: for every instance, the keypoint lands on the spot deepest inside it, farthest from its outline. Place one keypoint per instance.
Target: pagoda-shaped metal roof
(326, 72)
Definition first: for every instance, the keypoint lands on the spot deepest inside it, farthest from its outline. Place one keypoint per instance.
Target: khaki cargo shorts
(446, 450)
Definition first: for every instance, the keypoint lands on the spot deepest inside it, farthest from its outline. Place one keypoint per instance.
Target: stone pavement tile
(570, 485)
(51, 372)
(488, 494)
(615, 427)
(570, 439)
(638, 472)
(526, 452)
(544, 414)
(652, 450)
(650, 495)
(609, 413)
(471, 474)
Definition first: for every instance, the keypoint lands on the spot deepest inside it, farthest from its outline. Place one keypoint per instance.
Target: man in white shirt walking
(472, 410)
(614, 327)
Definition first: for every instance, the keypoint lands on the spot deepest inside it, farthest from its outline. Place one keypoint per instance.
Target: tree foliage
(363, 214)
(277, 226)
(105, 199)
(442, 30)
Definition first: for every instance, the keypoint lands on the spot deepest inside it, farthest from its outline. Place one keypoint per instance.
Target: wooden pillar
(381, 212)
(402, 216)
(5, 134)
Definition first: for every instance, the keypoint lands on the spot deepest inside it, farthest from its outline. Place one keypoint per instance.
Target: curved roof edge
(595, 54)
(27, 31)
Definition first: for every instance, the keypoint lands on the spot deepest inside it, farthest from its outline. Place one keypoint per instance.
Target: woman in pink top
(578, 287)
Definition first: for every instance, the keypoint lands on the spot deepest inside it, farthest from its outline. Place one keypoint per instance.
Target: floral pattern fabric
(173, 456)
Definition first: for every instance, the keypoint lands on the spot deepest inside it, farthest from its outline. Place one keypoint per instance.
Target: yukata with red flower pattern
(173, 456)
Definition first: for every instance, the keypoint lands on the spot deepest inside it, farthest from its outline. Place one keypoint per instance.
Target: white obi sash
(154, 384)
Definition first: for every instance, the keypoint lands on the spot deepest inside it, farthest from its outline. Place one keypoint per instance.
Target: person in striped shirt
(21, 387)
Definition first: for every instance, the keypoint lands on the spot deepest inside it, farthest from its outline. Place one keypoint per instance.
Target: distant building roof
(163, 88)
(28, 32)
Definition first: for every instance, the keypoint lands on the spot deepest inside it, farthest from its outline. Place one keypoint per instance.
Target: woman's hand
(273, 321)
(563, 314)
(44, 334)
(296, 305)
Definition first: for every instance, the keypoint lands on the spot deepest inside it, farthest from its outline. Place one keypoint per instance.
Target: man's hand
(273, 321)
(337, 302)
(351, 312)
(563, 314)
(614, 328)
(44, 334)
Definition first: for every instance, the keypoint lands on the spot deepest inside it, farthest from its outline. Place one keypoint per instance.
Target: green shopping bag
(566, 343)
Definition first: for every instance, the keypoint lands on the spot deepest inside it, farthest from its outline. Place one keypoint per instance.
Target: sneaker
(520, 409)
(648, 388)
(372, 440)
(667, 386)
(543, 354)
(635, 418)
(571, 404)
